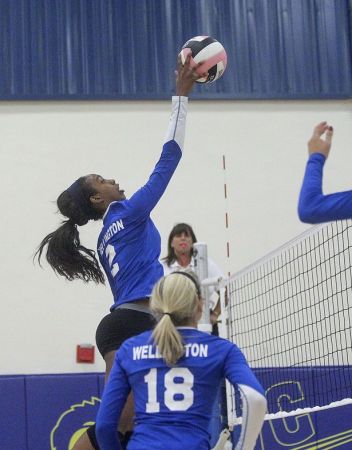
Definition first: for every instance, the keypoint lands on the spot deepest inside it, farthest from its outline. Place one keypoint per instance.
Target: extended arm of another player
(254, 403)
(254, 406)
(113, 400)
(313, 205)
(145, 199)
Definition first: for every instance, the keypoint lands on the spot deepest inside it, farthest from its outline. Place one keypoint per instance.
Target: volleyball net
(291, 315)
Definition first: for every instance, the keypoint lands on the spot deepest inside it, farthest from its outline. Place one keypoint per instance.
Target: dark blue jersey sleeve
(145, 199)
(114, 398)
(237, 370)
(313, 205)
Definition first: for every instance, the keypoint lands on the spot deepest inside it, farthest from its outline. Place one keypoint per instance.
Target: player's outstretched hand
(320, 142)
(187, 75)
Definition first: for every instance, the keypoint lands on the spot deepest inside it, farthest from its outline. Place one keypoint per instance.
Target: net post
(200, 255)
(224, 332)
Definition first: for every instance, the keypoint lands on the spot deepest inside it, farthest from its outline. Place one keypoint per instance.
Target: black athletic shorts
(119, 325)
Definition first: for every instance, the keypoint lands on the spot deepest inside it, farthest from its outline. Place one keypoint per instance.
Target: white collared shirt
(213, 272)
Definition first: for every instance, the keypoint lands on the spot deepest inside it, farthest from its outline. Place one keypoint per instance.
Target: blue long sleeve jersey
(173, 405)
(129, 243)
(313, 205)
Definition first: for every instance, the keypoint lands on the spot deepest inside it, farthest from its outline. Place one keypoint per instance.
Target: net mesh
(291, 315)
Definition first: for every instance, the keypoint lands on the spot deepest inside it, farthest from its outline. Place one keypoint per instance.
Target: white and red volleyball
(209, 51)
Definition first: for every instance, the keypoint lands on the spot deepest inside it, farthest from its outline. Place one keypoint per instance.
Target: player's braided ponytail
(174, 301)
(65, 254)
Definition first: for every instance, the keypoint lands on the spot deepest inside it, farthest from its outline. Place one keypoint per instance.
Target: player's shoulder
(206, 337)
(222, 346)
(222, 342)
(114, 209)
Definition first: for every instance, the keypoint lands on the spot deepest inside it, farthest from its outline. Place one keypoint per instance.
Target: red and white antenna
(226, 216)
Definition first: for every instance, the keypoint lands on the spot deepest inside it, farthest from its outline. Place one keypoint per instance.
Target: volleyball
(208, 50)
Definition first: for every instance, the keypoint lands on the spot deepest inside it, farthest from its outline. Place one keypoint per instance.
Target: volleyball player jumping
(128, 245)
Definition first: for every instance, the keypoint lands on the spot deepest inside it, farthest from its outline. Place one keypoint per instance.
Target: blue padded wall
(13, 414)
(326, 429)
(50, 412)
(118, 49)
(58, 406)
(306, 387)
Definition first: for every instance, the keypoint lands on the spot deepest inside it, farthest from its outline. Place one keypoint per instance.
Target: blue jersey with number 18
(129, 243)
(173, 405)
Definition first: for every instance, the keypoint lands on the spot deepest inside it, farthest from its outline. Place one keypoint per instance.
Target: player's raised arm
(313, 205)
(185, 79)
(145, 199)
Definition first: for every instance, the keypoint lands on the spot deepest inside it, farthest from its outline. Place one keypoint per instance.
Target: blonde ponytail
(174, 301)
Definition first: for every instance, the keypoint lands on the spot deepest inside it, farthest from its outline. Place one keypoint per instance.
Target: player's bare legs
(83, 443)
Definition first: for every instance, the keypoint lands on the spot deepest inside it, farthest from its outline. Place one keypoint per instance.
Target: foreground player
(175, 373)
(314, 206)
(128, 245)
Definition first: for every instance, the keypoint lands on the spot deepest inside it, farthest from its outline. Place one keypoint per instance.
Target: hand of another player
(186, 76)
(319, 143)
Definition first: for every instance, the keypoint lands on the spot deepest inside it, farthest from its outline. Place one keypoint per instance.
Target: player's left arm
(254, 406)
(145, 199)
(113, 400)
(313, 205)
(237, 370)
(254, 403)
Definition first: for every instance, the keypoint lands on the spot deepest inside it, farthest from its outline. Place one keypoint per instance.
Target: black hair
(64, 253)
(177, 230)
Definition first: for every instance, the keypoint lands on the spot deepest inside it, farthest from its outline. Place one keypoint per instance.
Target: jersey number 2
(110, 254)
(181, 389)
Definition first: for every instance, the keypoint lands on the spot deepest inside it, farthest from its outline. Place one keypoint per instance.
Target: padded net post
(200, 254)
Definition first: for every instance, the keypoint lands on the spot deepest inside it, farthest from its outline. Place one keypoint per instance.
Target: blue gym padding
(331, 428)
(332, 383)
(334, 426)
(13, 424)
(292, 388)
(50, 412)
(60, 407)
